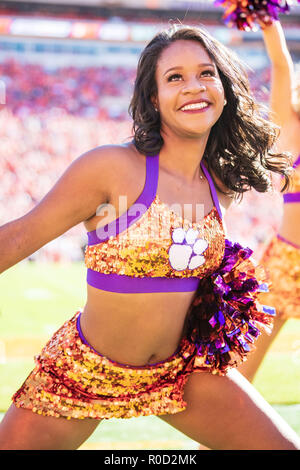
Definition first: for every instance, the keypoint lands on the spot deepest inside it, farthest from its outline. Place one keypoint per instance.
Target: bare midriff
(135, 329)
(290, 229)
(144, 328)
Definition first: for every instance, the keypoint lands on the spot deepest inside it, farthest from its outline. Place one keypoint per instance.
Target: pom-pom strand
(245, 14)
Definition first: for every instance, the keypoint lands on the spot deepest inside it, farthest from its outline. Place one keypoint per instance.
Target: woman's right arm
(73, 199)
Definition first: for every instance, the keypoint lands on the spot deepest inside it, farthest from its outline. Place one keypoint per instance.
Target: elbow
(283, 61)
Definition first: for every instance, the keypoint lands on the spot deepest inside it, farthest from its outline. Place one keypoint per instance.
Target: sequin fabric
(143, 249)
(282, 263)
(71, 380)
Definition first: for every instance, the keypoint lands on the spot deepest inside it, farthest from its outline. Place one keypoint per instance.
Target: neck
(182, 156)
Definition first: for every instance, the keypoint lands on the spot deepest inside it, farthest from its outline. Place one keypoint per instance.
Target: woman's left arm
(282, 73)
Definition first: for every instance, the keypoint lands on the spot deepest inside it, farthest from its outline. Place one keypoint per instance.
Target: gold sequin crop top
(294, 195)
(150, 248)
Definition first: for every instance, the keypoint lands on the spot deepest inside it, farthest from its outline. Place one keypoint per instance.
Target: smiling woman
(129, 353)
(190, 98)
(238, 149)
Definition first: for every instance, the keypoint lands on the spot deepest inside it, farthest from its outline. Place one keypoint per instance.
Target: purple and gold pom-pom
(245, 13)
(226, 316)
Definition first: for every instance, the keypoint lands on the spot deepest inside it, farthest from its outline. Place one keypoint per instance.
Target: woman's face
(190, 96)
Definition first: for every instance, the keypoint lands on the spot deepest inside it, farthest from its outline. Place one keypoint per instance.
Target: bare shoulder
(110, 158)
(88, 182)
(109, 165)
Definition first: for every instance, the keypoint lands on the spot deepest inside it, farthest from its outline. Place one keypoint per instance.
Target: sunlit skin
(139, 329)
(185, 73)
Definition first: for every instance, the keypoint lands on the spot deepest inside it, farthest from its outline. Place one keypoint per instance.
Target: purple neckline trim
(140, 206)
(297, 162)
(291, 197)
(132, 285)
(143, 203)
(149, 366)
(285, 240)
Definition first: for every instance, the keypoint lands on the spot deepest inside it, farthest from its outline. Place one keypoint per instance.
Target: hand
(264, 25)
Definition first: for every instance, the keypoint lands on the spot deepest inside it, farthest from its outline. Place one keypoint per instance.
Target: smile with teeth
(192, 106)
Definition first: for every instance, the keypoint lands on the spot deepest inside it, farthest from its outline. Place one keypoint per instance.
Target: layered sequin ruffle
(71, 380)
(282, 263)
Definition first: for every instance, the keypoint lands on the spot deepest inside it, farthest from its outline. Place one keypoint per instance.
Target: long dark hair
(239, 148)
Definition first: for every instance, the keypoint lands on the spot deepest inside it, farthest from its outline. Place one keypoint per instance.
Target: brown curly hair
(239, 148)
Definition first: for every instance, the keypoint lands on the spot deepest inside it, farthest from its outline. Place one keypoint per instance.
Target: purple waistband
(291, 197)
(135, 285)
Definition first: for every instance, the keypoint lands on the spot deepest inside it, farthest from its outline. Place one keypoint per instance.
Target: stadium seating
(51, 117)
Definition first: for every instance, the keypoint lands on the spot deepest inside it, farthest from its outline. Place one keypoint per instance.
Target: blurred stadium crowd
(51, 116)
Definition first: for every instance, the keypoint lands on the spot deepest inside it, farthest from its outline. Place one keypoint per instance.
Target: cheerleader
(282, 256)
(137, 348)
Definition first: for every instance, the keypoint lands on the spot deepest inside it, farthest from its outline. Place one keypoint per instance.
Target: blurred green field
(35, 298)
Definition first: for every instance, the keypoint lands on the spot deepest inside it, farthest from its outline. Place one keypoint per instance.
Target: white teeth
(201, 105)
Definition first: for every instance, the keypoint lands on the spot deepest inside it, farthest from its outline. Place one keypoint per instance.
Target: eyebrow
(179, 67)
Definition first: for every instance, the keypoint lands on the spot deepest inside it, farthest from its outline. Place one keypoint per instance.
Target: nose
(194, 85)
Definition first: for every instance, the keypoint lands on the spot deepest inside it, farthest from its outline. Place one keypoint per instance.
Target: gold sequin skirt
(72, 380)
(282, 263)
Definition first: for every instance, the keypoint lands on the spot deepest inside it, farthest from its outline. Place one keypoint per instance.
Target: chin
(197, 132)
(199, 129)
